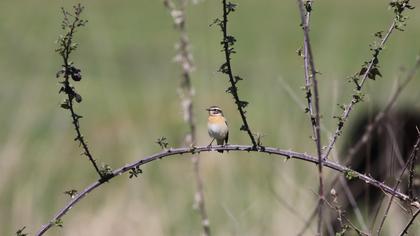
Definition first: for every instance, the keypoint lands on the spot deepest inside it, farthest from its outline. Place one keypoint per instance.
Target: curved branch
(244, 148)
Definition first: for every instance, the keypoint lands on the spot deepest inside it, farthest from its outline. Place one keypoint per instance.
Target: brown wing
(227, 134)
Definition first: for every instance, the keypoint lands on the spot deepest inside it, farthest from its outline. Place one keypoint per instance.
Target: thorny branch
(370, 69)
(378, 118)
(173, 152)
(66, 46)
(413, 154)
(186, 92)
(310, 78)
(226, 68)
(341, 216)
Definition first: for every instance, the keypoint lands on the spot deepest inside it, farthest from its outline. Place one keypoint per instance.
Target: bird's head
(215, 111)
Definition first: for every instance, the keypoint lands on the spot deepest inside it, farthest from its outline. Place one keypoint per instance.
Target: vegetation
(129, 90)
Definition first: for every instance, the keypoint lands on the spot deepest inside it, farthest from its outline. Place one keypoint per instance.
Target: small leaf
(230, 89)
(230, 7)
(72, 193)
(243, 104)
(59, 222)
(78, 97)
(65, 105)
(106, 171)
(350, 174)
(224, 68)
(20, 232)
(134, 172)
(237, 78)
(162, 142)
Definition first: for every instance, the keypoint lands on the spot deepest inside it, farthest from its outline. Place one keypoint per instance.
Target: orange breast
(216, 119)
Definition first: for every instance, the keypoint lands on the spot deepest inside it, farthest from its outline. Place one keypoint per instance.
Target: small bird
(217, 126)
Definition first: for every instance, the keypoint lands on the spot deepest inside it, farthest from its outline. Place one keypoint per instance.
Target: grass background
(130, 99)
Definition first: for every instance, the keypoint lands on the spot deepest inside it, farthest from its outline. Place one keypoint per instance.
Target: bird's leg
(211, 142)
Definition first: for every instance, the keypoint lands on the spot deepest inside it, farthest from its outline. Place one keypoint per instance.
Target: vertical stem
(186, 93)
(234, 89)
(310, 75)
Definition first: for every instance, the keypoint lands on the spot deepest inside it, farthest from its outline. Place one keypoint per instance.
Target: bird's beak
(207, 109)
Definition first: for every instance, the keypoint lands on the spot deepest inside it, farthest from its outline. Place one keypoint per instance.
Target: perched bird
(217, 126)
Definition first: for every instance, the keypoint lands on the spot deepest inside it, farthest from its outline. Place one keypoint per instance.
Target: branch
(186, 92)
(405, 230)
(370, 68)
(381, 115)
(239, 148)
(413, 154)
(226, 68)
(66, 46)
(310, 75)
(308, 221)
(341, 216)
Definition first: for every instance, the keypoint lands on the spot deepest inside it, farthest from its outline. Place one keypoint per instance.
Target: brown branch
(232, 148)
(413, 154)
(186, 92)
(310, 76)
(405, 230)
(226, 68)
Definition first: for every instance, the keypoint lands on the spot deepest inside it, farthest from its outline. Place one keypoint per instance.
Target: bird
(217, 126)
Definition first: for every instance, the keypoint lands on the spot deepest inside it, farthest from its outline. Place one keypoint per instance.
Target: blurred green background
(130, 96)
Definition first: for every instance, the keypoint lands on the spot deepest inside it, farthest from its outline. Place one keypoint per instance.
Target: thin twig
(226, 68)
(66, 47)
(412, 172)
(354, 99)
(381, 115)
(310, 76)
(378, 118)
(411, 157)
(375, 216)
(353, 203)
(405, 230)
(173, 152)
(186, 92)
(342, 216)
(309, 221)
(370, 68)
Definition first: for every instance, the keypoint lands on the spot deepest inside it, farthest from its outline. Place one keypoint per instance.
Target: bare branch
(310, 77)
(413, 154)
(405, 230)
(173, 152)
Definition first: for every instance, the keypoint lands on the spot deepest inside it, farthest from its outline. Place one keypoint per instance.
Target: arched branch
(240, 148)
